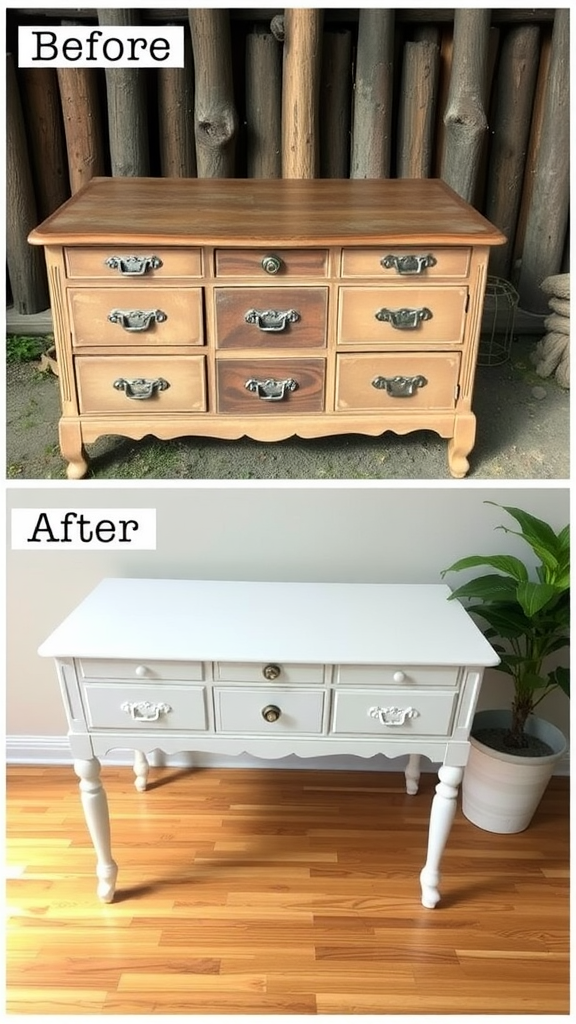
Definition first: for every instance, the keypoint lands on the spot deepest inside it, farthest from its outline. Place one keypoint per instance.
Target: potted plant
(513, 752)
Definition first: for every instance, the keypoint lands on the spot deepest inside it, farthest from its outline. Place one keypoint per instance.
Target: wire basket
(498, 316)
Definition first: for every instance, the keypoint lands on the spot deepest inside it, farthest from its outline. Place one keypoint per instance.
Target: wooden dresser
(266, 308)
(270, 669)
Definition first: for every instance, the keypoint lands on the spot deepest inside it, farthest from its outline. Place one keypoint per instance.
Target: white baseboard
(55, 750)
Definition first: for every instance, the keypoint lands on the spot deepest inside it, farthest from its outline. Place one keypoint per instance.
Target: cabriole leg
(72, 449)
(441, 818)
(95, 806)
(141, 769)
(412, 774)
(460, 446)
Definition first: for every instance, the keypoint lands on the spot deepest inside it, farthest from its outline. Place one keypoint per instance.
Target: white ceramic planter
(500, 792)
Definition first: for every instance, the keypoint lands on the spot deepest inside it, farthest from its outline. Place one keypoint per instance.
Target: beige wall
(271, 532)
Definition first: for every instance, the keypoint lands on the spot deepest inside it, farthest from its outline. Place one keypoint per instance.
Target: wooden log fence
(477, 97)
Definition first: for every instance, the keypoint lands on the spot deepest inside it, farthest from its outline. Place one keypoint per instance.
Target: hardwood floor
(279, 892)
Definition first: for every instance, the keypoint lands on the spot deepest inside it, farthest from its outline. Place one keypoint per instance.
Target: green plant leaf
(491, 588)
(561, 677)
(535, 596)
(505, 563)
(539, 535)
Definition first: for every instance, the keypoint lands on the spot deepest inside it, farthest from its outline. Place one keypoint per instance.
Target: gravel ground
(522, 433)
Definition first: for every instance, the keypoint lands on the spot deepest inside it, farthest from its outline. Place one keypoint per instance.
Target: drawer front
(271, 318)
(166, 384)
(245, 710)
(404, 317)
(270, 387)
(105, 317)
(124, 706)
(100, 668)
(396, 263)
(397, 675)
(248, 672)
(267, 263)
(391, 713)
(415, 380)
(136, 263)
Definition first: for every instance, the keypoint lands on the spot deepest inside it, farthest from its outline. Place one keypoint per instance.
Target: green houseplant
(527, 616)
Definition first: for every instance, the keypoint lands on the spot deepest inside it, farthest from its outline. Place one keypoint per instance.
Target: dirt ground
(522, 433)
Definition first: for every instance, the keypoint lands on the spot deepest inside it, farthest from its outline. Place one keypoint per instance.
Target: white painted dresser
(269, 669)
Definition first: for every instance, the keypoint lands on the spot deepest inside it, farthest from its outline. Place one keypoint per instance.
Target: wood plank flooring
(279, 892)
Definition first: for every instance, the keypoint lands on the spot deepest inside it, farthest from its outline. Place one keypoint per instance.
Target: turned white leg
(95, 806)
(141, 769)
(441, 818)
(412, 774)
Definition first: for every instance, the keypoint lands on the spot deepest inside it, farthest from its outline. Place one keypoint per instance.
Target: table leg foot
(141, 770)
(460, 446)
(441, 818)
(72, 450)
(95, 807)
(412, 774)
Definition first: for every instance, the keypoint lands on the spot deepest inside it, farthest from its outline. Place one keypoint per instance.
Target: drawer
(414, 380)
(141, 385)
(271, 318)
(137, 263)
(100, 668)
(403, 317)
(266, 263)
(404, 262)
(395, 675)
(270, 387)
(244, 710)
(392, 713)
(249, 672)
(103, 317)
(126, 706)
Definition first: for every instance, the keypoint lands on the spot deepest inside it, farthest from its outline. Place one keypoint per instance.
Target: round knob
(141, 671)
(271, 671)
(271, 713)
(271, 264)
(399, 677)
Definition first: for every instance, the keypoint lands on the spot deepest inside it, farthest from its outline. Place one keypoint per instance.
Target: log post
(41, 104)
(263, 105)
(127, 107)
(26, 267)
(82, 123)
(176, 118)
(514, 93)
(301, 92)
(417, 110)
(548, 214)
(465, 118)
(335, 105)
(215, 117)
(372, 115)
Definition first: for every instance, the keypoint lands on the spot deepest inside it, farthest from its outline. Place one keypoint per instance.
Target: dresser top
(250, 211)
(319, 623)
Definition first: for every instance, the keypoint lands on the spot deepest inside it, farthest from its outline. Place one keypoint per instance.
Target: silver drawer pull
(404, 319)
(409, 264)
(271, 264)
(271, 713)
(132, 265)
(140, 388)
(399, 387)
(271, 319)
(144, 711)
(271, 671)
(136, 319)
(271, 390)
(393, 716)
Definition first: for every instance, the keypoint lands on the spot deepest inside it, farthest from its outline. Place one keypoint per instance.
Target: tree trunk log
(215, 118)
(301, 92)
(264, 105)
(26, 267)
(176, 118)
(335, 105)
(82, 123)
(43, 113)
(127, 107)
(372, 117)
(417, 113)
(465, 118)
(548, 214)
(514, 92)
